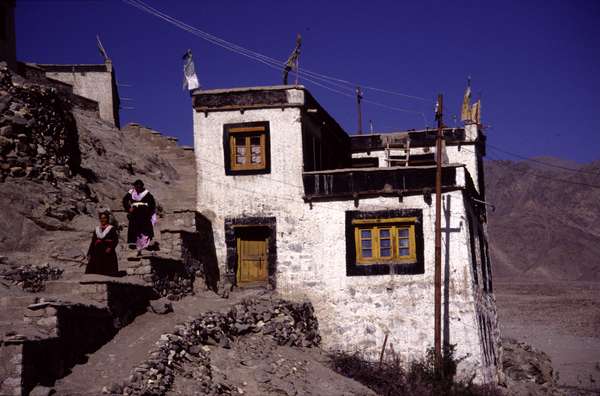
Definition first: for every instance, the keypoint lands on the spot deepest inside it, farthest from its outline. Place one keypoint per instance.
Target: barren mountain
(546, 226)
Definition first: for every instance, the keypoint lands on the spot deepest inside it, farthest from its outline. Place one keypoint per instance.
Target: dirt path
(114, 361)
(561, 319)
(256, 365)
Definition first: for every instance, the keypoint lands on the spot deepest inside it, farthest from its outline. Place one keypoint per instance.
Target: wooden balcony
(372, 182)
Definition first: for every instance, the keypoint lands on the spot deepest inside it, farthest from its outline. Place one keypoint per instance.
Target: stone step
(63, 287)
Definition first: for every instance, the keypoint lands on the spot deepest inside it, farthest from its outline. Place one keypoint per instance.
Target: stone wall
(11, 368)
(173, 270)
(36, 75)
(60, 333)
(38, 134)
(98, 85)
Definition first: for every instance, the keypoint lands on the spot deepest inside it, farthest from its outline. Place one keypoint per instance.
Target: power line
(325, 79)
(271, 62)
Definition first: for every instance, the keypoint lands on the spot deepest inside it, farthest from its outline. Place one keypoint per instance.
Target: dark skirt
(102, 263)
(140, 222)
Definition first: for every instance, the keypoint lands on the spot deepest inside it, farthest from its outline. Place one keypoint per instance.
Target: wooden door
(252, 259)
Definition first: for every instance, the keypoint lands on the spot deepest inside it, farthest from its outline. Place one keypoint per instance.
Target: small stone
(116, 388)
(48, 322)
(42, 391)
(17, 171)
(161, 306)
(7, 131)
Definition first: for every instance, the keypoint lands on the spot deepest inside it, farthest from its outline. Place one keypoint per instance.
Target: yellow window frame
(247, 133)
(376, 226)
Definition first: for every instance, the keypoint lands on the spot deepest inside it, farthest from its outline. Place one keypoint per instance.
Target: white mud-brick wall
(354, 312)
(97, 86)
(277, 194)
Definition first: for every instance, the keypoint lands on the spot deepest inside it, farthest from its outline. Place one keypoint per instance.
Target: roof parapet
(248, 98)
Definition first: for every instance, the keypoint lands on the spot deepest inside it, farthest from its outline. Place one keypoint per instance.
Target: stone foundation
(64, 332)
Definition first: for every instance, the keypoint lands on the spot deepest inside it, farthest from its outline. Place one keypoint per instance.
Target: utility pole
(438, 234)
(358, 100)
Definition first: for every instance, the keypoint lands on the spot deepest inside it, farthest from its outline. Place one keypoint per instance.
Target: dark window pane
(367, 253)
(403, 243)
(403, 232)
(404, 252)
(385, 252)
(384, 233)
(366, 244)
(255, 140)
(365, 233)
(385, 243)
(240, 141)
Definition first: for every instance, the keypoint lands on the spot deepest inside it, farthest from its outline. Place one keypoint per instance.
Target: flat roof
(101, 67)
(246, 89)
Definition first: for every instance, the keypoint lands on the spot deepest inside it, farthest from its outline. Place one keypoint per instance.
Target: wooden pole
(358, 100)
(383, 350)
(438, 234)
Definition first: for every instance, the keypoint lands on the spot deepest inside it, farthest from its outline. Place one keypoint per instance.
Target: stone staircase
(181, 194)
(77, 314)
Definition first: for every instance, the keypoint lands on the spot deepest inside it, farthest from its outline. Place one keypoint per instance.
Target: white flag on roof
(189, 73)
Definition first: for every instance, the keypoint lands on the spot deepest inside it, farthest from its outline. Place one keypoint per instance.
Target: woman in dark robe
(141, 207)
(102, 257)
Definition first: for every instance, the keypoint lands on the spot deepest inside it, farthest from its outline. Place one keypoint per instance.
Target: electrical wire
(325, 79)
(273, 61)
(268, 61)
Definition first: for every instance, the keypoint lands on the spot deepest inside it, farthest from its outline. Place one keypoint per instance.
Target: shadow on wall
(207, 253)
(446, 232)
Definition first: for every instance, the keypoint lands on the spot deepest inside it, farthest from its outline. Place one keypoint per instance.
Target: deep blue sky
(536, 64)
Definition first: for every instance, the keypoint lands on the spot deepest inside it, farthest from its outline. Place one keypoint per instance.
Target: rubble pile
(288, 323)
(527, 370)
(31, 278)
(172, 278)
(38, 133)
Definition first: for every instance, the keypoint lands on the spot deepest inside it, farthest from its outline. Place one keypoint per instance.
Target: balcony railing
(371, 182)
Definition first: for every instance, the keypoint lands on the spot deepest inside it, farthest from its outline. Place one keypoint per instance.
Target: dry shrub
(392, 377)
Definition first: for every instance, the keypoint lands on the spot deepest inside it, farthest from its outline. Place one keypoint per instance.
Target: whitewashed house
(295, 203)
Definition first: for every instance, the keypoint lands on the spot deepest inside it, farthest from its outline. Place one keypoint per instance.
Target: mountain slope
(546, 225)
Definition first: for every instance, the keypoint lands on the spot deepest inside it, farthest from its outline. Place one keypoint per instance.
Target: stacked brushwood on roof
(38, 133)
